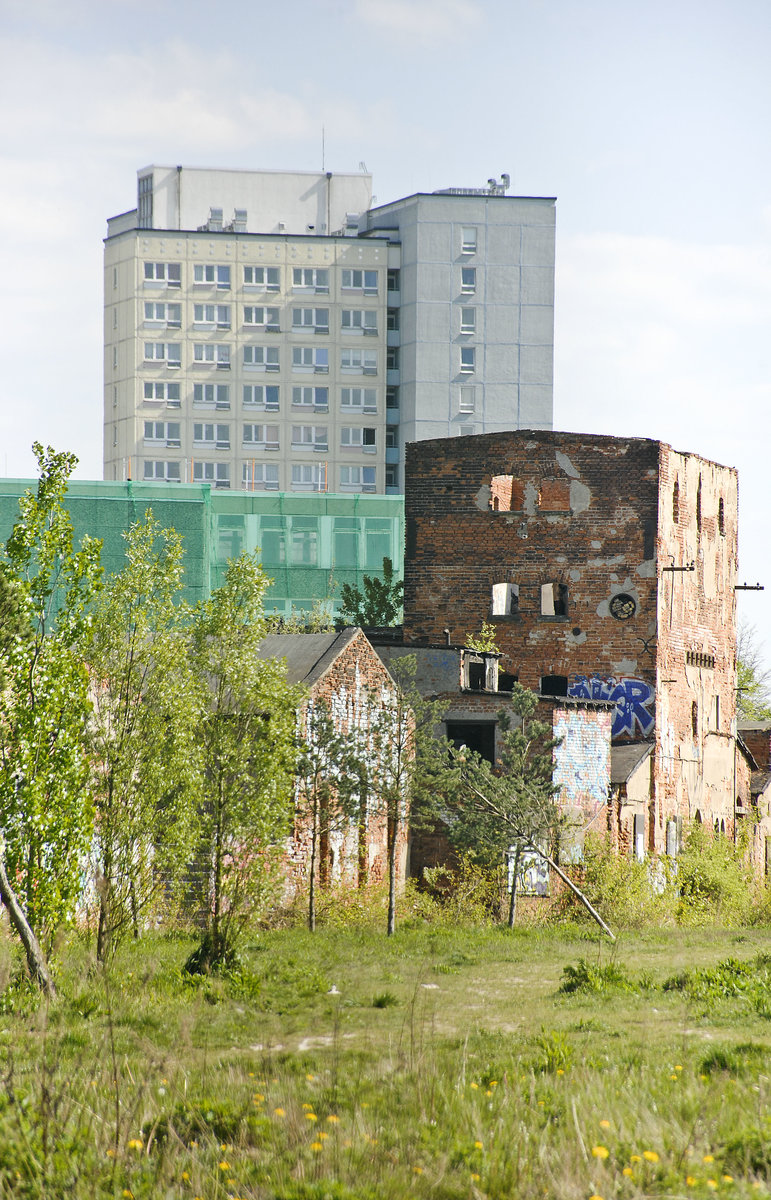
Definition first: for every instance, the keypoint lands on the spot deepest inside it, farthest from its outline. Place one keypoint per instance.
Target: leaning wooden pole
(491, 808)
(38, 967)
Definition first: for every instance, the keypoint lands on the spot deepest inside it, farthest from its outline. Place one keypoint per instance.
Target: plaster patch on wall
(575, 639)
(575, 575)
(567, 465)
(607, 562)
(482, 498)
(561, 558)
(580, 497)
(596, 545)
(626, 666)
(647, 569)
(530, 503)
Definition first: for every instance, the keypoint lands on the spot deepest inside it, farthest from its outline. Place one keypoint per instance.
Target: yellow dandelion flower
(628, 1172)
(185, 1176)
(128, 1194)
(135, 1144)
(708, 1158)
(727, 1178)
(475, 1178)
(600, 1152)
(691, 1181)
(634, 1158)
(310, 1078)
(650, 1156)
(224, 1166)
(311, 1117)
(316, 1146)
(560, 1071)
(417, 1170)
(712, 1183)
(540, 1102)
(111, 1154)
(675, 1077)
(478, 1146)
(595, 1197)
(323, 1135)
(332, 1119)
(259, 1097)
(678, 1067)
(704, 1078)
(604, 1124)
(278, 1112)
(475, 1086)
(493, 1083)
(489, 1093)
(308, 1107)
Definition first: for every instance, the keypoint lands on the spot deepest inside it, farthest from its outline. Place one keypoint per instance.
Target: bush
(715, 882)
(627, 893)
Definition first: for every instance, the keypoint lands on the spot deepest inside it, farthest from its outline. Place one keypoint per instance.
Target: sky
(648, 122)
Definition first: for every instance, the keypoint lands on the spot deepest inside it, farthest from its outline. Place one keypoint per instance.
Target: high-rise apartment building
(273, 330)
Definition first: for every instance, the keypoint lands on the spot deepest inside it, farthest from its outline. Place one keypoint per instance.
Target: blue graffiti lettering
(633, 699)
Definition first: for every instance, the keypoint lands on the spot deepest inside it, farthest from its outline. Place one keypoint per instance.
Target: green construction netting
(310, 544)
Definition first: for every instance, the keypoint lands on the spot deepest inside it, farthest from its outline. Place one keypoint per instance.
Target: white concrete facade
(271, 330)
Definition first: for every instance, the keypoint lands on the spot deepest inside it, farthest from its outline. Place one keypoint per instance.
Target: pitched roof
(308, 655)
(626, 758)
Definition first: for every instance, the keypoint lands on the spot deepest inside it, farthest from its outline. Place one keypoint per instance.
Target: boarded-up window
(505, 599)
(554, 495)
(639, 837)
(554, 600)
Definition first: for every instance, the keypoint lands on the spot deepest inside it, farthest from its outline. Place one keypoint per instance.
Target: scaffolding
(309, 543)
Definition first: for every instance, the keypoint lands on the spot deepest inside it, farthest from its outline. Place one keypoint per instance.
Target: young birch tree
(406, 767)
(327, 799)
(142, 744)
(246, 738)
(45, 806)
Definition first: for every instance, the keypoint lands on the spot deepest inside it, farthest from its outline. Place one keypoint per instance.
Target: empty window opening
(554, 685)
(698, 507)
(721, 517)
(695, 718)
(639, 837)
(505, 600)
(506, 681)
(676, 502)
(649, 538)
(717, 713)
(554, 600)
(475, 735)
(480, 671)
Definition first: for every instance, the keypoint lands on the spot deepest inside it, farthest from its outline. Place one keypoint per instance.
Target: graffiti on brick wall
(633, 698)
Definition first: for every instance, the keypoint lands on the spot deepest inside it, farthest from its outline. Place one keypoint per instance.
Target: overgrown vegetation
(445, 1061)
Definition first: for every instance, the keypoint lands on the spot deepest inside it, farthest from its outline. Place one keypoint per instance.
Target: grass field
(444, 1062)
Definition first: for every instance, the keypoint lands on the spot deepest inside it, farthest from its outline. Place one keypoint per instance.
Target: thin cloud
(423, 20)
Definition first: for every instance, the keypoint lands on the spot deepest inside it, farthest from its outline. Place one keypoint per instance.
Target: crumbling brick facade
(608, 567)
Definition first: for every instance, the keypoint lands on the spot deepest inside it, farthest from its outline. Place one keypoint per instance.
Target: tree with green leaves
(511, 808)
(753, 682)
(46, 813)
(406, 767)
(327, 798)
(141, 733)
(246, 739)
(378, 604)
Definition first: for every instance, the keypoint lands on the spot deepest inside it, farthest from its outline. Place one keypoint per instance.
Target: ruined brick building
(608, 567)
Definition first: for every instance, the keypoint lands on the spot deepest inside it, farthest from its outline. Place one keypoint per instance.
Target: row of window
(305, 477)
(258, 436)
(268, 279)
(257, 395)
(553, 600)
(266, 358)
(268, 318)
